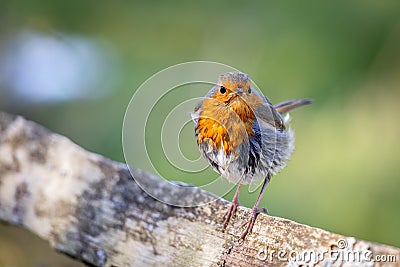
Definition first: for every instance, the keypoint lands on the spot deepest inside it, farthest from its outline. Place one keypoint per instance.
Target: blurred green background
(73, 66)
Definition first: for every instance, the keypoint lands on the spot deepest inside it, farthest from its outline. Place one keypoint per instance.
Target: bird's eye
(249, 90)
(222, 89)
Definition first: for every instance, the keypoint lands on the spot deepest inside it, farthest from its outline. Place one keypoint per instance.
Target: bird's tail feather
(287, 106)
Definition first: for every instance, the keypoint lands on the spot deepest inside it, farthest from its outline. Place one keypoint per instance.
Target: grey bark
(91, 208)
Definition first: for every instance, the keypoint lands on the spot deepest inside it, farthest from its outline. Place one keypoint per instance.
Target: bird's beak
(239, 91)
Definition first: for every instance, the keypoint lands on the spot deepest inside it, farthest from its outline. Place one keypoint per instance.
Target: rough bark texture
(90, 208)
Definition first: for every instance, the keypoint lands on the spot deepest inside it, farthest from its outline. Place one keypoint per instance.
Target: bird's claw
(250, 223)
(229, 213)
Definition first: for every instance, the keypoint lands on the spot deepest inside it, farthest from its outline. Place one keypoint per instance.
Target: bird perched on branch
(243, 136)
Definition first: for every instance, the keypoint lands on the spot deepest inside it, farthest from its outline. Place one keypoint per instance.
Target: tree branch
(90, 208)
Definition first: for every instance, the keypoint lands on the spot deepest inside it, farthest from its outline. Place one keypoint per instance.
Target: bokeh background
(73, 66)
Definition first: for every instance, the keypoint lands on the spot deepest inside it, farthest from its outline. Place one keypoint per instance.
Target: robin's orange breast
(226, 125)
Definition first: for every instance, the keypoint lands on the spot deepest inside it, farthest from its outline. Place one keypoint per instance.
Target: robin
(243, 136)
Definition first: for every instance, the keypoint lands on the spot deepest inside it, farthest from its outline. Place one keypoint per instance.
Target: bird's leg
(256, 211)
(232, 209)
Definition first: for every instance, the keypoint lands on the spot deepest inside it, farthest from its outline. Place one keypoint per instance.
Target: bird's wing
(268, 114)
